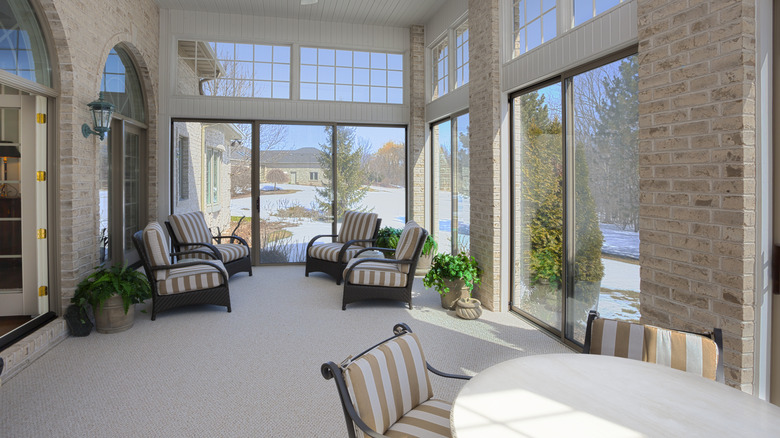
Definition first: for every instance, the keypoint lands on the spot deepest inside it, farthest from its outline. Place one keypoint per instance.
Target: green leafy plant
(105, 282)
(388, 238)
(452, 267)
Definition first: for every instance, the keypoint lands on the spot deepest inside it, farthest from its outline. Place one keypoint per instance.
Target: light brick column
(697, 171)
(485, 143)
(417, 123)
(80, 53)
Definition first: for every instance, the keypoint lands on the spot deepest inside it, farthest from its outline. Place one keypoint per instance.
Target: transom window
(22, 46)
(534, 24)
(351, 76)
(584, 10)
(440, 55)
(462, 54)
(234, 69)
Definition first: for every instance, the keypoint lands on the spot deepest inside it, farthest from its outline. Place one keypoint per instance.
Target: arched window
(122, 158)
(120, 85)
(22, 46)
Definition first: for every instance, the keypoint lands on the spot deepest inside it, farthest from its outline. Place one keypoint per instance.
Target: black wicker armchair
(188, 282)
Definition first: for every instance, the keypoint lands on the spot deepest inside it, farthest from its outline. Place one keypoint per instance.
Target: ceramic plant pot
(468, 308)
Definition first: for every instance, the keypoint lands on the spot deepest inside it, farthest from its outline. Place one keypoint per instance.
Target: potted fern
(112, 292)
(454, 277)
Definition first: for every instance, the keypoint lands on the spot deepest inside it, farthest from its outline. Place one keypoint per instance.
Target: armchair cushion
(376, 274)
(618, 338)
(232, 251)
(407, 243)
(430, 419)
(358, 226)
(330, 251)
(688, 352)
(191, 278)
(388, 381)
(157, 248)
(190, 227)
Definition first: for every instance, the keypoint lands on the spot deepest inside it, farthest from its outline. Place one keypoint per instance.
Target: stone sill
(18, 356)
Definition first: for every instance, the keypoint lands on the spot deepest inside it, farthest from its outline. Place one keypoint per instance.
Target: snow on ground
(620, 284)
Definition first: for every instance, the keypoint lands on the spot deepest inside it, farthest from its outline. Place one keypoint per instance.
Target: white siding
(607, 33)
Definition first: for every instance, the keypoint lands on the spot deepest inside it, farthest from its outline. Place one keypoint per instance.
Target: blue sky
(312, 135)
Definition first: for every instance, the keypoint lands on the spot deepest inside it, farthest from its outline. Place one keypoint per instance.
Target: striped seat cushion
(232, 251)
(358, 226)
(376, 274)
(617, 338)
(330, 251)
(430, 419)
(407, 243)
(682, 351)
(190, 227)
(388, 381)
(156, 245)
(190, 278)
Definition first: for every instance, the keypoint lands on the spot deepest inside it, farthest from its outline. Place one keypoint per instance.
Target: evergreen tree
(351, 176)
(617, 140)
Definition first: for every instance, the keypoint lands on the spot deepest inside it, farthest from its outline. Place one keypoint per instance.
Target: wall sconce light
(101, 118)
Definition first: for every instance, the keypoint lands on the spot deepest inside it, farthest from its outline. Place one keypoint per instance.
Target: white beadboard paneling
(444, 18)
(401, 13)
(607, 33)
(451, 103)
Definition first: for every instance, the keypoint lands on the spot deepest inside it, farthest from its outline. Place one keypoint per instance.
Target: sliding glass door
(451, 179)
(575, 170)
(303, 177)
(538, 209)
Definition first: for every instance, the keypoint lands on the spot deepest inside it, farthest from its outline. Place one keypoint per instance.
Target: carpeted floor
(201, 371)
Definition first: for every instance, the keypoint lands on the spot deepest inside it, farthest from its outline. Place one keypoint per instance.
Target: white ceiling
(399, 13)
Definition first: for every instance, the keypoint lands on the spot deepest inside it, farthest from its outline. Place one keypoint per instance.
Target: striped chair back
(190, 227)
(388, 381)
(407, 244)
(690, 352)
(358, 226)
(156, 246)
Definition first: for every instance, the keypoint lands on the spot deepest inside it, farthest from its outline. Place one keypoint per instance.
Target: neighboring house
(300, 165)
(201, 156)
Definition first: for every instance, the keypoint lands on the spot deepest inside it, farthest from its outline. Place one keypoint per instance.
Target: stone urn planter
(457, 291)
(111, 318)
(468, 308)
(424, 264)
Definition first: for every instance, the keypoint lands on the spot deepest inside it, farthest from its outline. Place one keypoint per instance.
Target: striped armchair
(700, 354)
(188, 282)
(385, 279)
(189, 232)
(386, 390)
(357, 232)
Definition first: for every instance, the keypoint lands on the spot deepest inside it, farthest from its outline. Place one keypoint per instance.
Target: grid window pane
(344, 75)
(233, 69)
(535, 22)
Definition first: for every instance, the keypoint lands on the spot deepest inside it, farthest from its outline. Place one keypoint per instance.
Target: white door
(23, 227)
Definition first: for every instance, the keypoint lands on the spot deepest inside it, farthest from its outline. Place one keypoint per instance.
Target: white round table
(580, 395)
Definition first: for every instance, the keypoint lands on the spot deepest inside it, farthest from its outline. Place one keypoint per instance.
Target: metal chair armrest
(240, 239)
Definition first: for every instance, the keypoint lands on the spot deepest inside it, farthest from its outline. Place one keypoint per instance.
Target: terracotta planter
(111, 318)
(457, 291)
(468, 308)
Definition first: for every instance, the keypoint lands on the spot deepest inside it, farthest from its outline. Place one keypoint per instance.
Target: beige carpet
(201, 371)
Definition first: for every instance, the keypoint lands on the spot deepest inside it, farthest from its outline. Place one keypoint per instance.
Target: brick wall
(82, 37)
(697, 170)
(417, 124)
(485, 143)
